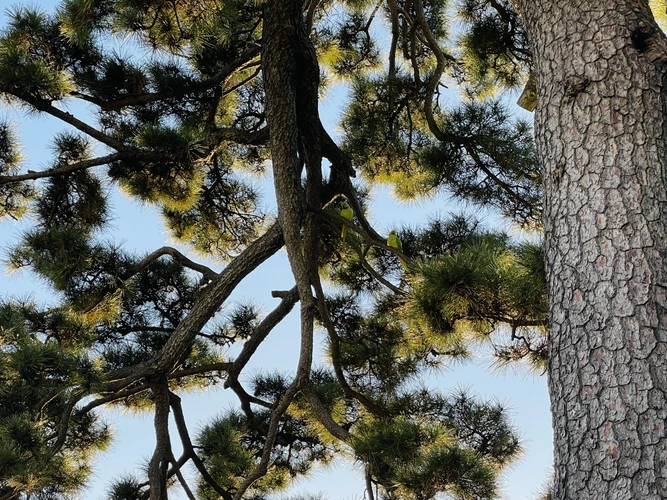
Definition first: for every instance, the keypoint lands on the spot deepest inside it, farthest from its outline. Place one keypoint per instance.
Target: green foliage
(224, 219)
(35, 456)
(436, 444)
(483, 155)
(231, 445)
(28, 64)
(184, 118)
(383, 131)
(14, 197)
(125, 488)
(495, 50)
(490, 160)
(346, 47)
(75, 200)
(486, 283)
(378, 352)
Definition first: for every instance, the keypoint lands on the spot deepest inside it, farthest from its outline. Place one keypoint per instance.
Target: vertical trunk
(600, 131)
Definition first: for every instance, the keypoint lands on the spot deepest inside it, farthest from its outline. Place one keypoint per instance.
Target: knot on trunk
(575, 85)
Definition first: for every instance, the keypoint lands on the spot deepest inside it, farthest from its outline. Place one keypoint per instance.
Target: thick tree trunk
(600, 131)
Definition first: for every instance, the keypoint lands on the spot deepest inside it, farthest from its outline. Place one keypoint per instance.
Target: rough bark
(600, 133)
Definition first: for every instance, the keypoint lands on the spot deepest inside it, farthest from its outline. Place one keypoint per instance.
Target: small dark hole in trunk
(639, 40)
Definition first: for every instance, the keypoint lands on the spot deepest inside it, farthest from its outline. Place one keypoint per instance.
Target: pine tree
(224, 87)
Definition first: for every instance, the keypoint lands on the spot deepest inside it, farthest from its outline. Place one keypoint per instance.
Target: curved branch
(207, 272)
(45, 106)
(64, 423)
(335, 351)
(502, 184)
(114, 397)
(176, 469)
(205, 307)
(434, 80)
(364, 263)
(261, 468)
(260, 333)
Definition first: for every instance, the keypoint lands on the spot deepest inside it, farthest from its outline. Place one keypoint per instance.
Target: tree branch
(157, 467)
(205, 307)
(189, 450)
(197, 370)
(75, 167)
(261, 332)
(177, 470)
(239, 136)
(322, 415)
(46, 107)
(114, 397)
(371, 240)
(149, 97)
(271, 434)
(207, 272)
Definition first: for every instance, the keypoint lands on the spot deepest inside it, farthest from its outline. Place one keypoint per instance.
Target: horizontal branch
(239, 136)
(113, 397)
(149, 97)
(198, 370)
(82, 165)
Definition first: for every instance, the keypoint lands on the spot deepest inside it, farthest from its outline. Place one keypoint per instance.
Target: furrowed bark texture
(600, 133)
(282, 67)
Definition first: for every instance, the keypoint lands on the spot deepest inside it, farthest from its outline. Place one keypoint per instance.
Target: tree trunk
(600, 132)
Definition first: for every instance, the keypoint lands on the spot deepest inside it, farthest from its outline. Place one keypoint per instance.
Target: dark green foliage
(232, 443)
(74, 200)
(490, 160)
(377, 351)
(224, 218)
(29, 61)
(14, 197)
(346, 47)
(482, 155)
(179, 122)
(382, 128)
(35, 456)
(487, 283)
(466, 285)
(436, 444)
(495, 45)
(125, 488)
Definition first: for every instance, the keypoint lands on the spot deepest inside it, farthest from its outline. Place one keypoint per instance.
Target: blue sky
(140, 229)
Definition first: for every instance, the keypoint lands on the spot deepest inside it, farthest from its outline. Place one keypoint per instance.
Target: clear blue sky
(140, 229)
